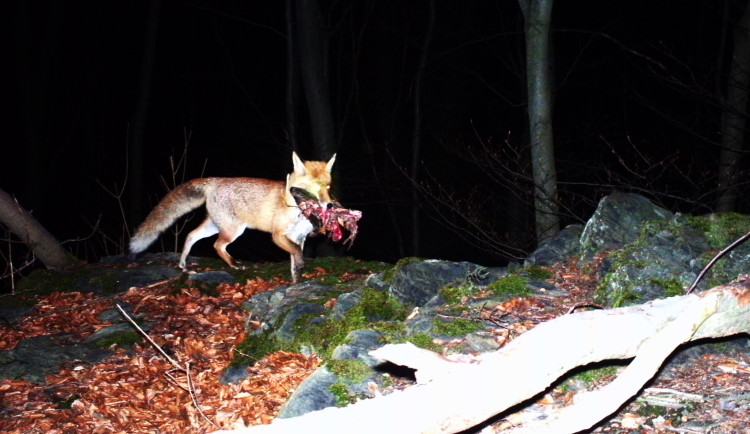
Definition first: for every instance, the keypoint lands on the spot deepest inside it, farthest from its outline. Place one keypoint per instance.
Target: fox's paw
(237, 265)
(185, 268)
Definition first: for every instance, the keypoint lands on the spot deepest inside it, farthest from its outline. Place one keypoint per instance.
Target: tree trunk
(292, 80)
(313, 57)
(537, 15)
(734, 115)
(137, 128)
(37, 36)
(416, 150)
(21, 223)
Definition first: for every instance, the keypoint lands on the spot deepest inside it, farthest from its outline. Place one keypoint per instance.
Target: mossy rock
(513, 285)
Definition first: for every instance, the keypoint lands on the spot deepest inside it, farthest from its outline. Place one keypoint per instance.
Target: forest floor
(139, 390)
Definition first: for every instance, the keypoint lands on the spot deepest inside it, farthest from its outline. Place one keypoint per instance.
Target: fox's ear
(299, 166)
(329, 165)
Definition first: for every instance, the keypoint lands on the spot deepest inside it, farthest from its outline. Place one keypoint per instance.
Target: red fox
(233, 204)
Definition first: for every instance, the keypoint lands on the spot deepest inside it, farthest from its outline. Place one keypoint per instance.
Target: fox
(236, 204)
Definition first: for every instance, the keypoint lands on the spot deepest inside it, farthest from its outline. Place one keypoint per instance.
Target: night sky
(636, 87)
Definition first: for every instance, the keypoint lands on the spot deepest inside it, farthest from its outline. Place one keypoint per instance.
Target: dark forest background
(639, 89)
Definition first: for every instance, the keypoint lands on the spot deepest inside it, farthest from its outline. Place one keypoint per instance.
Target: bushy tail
(175, 204)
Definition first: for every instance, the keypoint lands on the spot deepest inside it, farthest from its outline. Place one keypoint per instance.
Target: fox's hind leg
(226, 236)
(205, 230)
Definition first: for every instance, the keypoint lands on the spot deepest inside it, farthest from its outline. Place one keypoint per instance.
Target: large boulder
(617, 222)
(565, 245)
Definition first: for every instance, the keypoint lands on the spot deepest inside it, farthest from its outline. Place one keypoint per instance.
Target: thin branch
(186, 369)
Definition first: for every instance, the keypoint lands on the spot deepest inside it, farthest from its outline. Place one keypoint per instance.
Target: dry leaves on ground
(139, 391)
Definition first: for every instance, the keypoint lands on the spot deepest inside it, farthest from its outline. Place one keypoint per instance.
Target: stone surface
(565, 245)
(617, 222)
(650, 253)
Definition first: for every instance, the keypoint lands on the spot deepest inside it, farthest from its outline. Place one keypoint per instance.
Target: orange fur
(234, 204)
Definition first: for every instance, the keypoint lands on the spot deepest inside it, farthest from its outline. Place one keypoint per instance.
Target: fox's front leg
(297, 265)
(295, 251)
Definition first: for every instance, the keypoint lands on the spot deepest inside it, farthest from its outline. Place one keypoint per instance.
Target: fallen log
(452, 396)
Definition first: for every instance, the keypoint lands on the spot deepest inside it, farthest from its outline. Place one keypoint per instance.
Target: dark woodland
(109, 105)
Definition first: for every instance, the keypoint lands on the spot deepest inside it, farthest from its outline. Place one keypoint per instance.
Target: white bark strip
(457, 396)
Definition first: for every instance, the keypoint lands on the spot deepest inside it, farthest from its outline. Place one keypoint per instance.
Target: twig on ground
(186, 369)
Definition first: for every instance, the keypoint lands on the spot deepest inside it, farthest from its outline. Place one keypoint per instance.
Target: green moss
(212, 263)
(425, 341)
(616, 294)
(651, 411)
(380, 305)
(44, 282)
(335, 268)
(537, 273)
(390, 328)
(721, 229)
(625, 298)
(514, 284)
(594, 376)
(106, 283)
(328, 279)
(457, 310)
(125, 339)
(454, 295)
(376, 306)
(326, 335)
(626, 256)
(408, 260)
(340, 265)
(257, 347)
(250, 270)
(349, 371)
(653, 227)
(590, 376)
(393, 332)
(389, 274)
(343, 396)
(456, 327)
(672, 286)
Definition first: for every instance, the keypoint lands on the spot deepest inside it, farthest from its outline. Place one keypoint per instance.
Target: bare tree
(292, 92)
(416, 151)
(312, 52)
(36, 71)
(734, 115)
(23, 225)
(137, 128)
(537, 16)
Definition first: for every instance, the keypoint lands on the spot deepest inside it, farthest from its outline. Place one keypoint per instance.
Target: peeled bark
(453, 396)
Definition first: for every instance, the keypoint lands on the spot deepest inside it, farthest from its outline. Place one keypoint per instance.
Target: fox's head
(312, 176)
